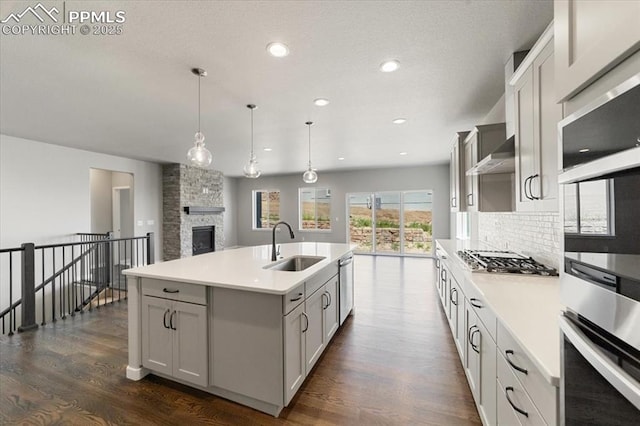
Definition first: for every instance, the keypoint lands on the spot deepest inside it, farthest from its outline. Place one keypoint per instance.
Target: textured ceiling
(133, 94)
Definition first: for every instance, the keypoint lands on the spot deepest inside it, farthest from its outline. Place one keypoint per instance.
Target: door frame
(372, 197)
(116, 213)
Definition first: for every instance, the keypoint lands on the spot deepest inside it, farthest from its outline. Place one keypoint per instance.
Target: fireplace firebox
(203, 239)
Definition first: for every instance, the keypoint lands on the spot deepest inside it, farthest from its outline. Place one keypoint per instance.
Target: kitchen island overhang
(226, 323)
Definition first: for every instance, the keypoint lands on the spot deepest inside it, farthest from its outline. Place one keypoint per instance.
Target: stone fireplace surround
(187, 186)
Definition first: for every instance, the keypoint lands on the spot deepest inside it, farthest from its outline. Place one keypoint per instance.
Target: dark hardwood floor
(393, 363)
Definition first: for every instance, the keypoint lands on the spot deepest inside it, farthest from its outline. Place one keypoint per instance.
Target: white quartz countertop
(527, 305)
(243, 268)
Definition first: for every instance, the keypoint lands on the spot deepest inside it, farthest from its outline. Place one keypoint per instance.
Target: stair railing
(75, 276)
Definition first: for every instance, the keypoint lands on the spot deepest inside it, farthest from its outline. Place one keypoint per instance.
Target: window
(587, 208)
(266, 208)
(315, 209)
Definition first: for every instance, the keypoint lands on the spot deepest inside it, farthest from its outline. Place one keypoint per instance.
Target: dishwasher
(346, 286)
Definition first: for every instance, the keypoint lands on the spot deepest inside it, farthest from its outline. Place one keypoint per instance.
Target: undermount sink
(295, 263)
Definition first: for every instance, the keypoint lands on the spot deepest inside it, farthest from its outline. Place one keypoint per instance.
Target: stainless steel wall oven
(601, 276)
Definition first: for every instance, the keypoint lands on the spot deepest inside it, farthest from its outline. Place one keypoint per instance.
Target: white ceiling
(133, 94)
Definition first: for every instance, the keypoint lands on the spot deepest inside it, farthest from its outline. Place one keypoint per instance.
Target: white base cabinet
(172, 342)
(295, 359)
(503, 380)
(307, 332)
(480, 365)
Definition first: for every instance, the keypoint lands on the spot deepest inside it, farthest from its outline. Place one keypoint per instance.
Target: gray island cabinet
(228, 324)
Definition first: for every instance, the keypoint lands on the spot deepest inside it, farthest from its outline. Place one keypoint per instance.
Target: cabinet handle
(475, 347)
(171, 321)
(469, 332)
(520, 369)
(324, 307)
(437, 263)
(306, 327)
(469, 199)
(330, 299)
(476, 304)
(519, 410)
(524, 187)
(297, 298)
(455, 302)
(164, 319)
(170, 290)
(453, 202)
(533, 197)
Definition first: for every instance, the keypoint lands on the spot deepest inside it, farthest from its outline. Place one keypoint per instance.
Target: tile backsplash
(531, 234)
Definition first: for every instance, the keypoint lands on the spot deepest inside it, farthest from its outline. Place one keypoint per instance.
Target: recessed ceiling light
(279, 50)
(389, 66)
(340, 158)
(267, 149)
(321, 102)
(585, 150)
(403, 153)
(399, 121)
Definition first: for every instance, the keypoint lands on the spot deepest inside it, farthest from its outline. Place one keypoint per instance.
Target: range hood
(502, 160)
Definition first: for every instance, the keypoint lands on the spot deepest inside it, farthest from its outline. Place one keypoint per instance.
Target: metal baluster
(53, 289)
(114, 272)
(90, 280)
(63, 311)
(74, 283)
(11, 316)
(44, 319)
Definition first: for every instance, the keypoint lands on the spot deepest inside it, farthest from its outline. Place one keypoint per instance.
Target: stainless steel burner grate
(504, 262)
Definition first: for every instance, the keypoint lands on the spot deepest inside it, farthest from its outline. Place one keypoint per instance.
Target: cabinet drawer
(505, 414)
(543, 394)
(320, 278)
(480, 307)
(512, 394)
(292, 299)
(183, 292)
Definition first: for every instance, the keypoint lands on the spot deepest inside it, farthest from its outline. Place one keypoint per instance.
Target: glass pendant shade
(251, 169)
(310, 176)
(199, 155)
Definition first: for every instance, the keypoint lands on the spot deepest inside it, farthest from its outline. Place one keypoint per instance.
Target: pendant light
(199, 155)
(251, 169)
(310, 176)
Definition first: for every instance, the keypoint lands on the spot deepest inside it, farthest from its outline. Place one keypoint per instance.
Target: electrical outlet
(151, 222)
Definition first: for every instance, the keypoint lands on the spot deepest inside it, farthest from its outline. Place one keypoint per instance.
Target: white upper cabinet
(485, 192)
(536, 119)
(591, 37)
(456, 174)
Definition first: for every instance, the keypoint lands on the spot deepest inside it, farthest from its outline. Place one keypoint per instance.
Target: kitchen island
(236, 324)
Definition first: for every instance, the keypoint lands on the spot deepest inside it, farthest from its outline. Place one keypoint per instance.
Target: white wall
(434, 177)
(497, 113)
(45, 192)
(230, 201)
(101, 212)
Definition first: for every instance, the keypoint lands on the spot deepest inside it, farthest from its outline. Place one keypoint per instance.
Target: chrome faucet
(273, 239)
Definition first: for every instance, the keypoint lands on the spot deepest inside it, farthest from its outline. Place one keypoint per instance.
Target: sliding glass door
(417, 222)
(360, 216)
(393, 222)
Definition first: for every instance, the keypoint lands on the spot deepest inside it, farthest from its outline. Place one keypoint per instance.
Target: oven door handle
(589, 277)
(617, 377)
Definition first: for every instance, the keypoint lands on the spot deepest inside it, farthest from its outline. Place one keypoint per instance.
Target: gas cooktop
(503, 261)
